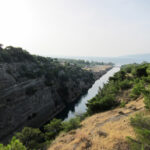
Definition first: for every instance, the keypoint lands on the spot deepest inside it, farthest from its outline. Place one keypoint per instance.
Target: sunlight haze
(76, 27)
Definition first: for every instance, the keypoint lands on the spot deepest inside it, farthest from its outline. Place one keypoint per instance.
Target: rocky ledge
(34, 101)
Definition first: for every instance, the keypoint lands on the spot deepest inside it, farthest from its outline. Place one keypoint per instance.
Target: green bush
(123, 104)
(147, 98)
(141, 122)
(141, 125)
(134, 144)
(35, 139)
(82, 116)
(14, 54)
(148, 70)
(140, 71)
(119, 76)
(125, 84)
(101, 104)
(146, 79)
(105, 99)
(53, 128)
(15, 144)
(73, 123)
(129, 68)
(32, 138)
(137, 90)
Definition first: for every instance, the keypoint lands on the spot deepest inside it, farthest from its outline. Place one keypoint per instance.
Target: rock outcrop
(31, 96)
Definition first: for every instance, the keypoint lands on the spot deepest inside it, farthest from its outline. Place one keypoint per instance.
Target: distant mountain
(137, 58)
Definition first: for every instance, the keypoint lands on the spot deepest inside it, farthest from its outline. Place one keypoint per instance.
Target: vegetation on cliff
(109, 130)
(82, 63)
(15, 144)
(25, 76)
(48, 67)
(34, 138)
(141, 121)
(134, 77)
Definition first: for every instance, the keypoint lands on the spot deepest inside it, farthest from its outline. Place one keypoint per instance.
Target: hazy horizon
(70, 56)
(97, 28)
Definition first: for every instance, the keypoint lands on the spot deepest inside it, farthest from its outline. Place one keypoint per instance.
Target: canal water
(80, 106)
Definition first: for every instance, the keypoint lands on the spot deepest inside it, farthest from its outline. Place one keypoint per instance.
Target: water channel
(80, 106)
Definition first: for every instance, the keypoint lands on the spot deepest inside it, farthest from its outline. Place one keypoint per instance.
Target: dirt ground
(102, 131)
(98, 68)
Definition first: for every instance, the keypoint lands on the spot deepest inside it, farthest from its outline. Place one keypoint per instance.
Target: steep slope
(34, 89)
(102, 131)
(110, 110)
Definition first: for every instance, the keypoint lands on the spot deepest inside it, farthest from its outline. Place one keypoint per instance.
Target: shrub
(118, 76)
(147, 98)
(104, 103)
(148, 70)
(82, 116)
(134, 144)
(123, 104)
(105, 99)
(146, 79)
(140, 71)
(53, 128)
(141, 125)
(32, 138)
(14, 54)
(15, 144)
(73, 123)
(126, 84)
(137, 90)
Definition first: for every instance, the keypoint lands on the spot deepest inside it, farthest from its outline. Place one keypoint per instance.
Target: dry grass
(103, 131)
(98, 68)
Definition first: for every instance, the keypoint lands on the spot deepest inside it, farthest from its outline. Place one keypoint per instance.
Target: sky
(76, 27)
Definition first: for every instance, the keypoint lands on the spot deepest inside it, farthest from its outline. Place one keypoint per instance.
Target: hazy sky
(76, 27)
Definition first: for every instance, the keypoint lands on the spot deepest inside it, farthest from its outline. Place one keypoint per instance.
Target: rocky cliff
(34, 89)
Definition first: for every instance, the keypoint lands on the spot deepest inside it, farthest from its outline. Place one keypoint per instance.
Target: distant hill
(128, 59)
(139, 56)
(136, 58)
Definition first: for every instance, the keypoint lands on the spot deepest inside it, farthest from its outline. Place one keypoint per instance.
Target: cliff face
(32, 101)
(24, 103)
(34, 89)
